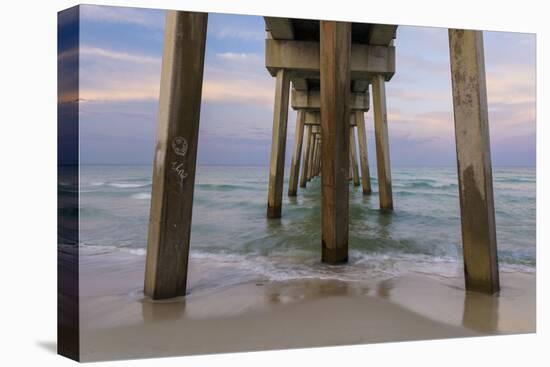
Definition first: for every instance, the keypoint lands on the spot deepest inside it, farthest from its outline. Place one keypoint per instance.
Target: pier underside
(327, 71)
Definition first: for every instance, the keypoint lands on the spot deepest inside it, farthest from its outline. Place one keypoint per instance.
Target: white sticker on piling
(179, 145)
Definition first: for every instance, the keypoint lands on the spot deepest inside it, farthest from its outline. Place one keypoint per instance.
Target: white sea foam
(86, 249)
(362, 267)
(136, 251)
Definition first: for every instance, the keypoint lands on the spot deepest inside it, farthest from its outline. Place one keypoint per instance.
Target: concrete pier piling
(382, 142)
(175, 154)
(313, 152)
(310, 154)
(353, 152)
(363, 155)
(350, 170)
(297, 154)
(317, 157)
(278, 145)
(335, 54)
(314, 155)
(305, 158)
(318, 160)
(474, 161)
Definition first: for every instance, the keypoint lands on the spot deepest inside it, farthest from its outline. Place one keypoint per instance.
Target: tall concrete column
(318, 158)
(353, 150)
(363, 155)
(382, 143)
(303, 176)
(475, 179)
(335, 50)
(314, 155)
(175, 154)
(311, 153)
(296, 154)
(350, 170)
(278, 145)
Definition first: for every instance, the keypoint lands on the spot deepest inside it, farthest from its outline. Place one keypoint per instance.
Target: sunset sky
(121, 51)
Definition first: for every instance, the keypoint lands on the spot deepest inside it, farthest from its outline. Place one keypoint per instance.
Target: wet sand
(118, 322)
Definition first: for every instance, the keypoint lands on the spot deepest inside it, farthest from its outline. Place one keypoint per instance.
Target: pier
(327, 71)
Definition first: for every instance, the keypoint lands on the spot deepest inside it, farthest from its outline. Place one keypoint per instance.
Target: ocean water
(232, 237)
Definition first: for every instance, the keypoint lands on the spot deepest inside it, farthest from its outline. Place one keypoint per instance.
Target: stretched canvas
(235, 183)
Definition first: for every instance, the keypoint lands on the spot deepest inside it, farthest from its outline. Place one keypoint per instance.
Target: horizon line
(267, 165)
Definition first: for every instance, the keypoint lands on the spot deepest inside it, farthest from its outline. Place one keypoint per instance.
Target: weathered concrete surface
(314, 131)
(301, 58)
(353, 156)
(308, 30)
(357, 85)
(363, 155)
(382, 143)
(278, 145)
(299, 84)
(175, 154)
(307, 137)
(296, 154)
(310, 155)
(381, 34)
(318, 156)
(474, 161)
(311, 100)
(360, 85)
(279, 28)
(313, 118)
(315, 154)
(350, 170)
(335, 59)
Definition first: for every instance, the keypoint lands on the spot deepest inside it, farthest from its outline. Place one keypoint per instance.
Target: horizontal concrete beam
(316, 129)
(352, 123)
(311, 100)
(314, 118)
(280, 28)
(381, 34)
(360, 85)
(301, 59)
(299, 83)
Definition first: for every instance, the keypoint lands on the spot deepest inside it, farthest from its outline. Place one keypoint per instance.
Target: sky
(120, 58)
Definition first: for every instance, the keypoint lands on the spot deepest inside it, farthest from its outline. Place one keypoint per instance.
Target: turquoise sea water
(231, 232)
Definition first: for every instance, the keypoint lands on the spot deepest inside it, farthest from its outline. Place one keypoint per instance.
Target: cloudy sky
(121, 50)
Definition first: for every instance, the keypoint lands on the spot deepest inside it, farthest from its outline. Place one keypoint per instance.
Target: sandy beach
(118, 322)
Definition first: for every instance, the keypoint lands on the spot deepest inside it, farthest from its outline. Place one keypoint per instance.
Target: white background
(28, 65)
